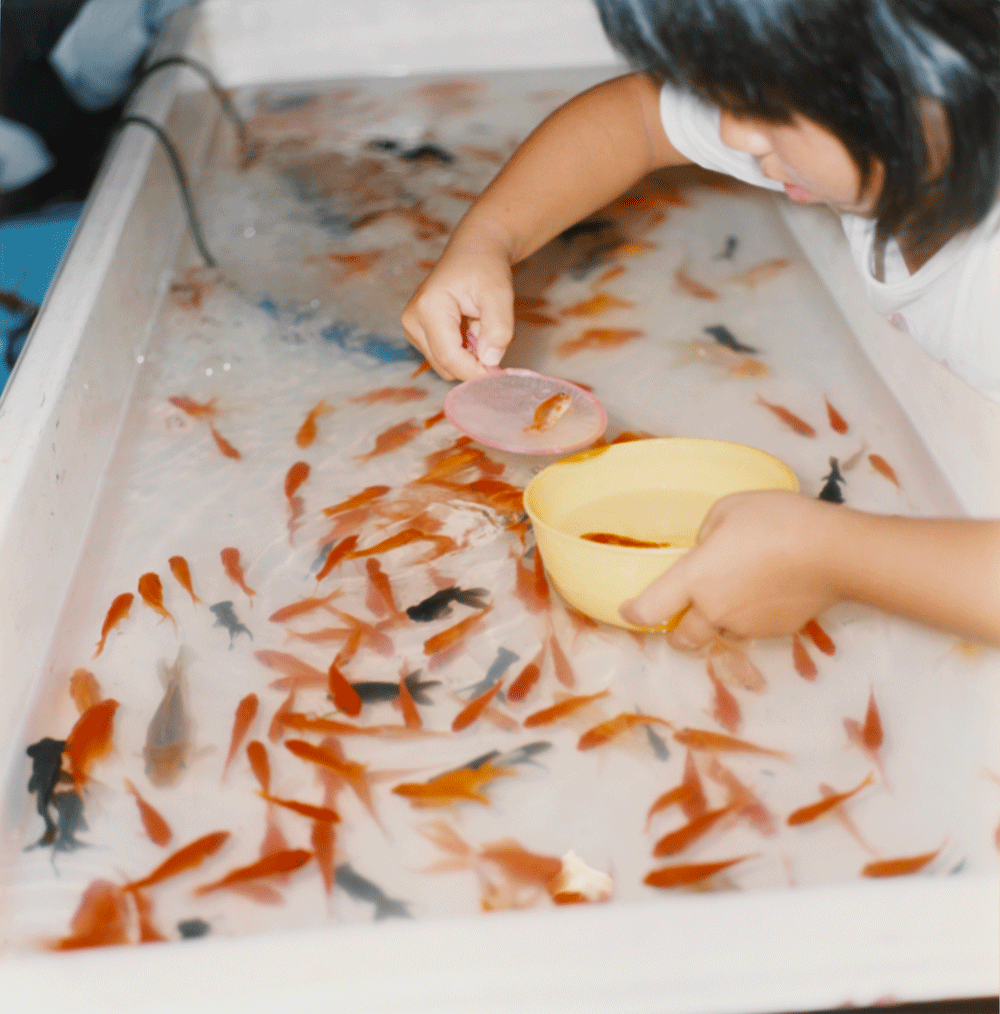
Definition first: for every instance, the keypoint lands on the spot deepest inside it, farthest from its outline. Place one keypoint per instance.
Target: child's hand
(761, 568)
(472, 280)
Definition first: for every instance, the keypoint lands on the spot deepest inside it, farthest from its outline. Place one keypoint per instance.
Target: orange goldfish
(693, 287)
(632, 248)
(727, 709)
(151, 590)
(224, 445)
(303, 606)
(179, 568)
(450, 636)
(790, 419)
(713, 742)
(690, 873)
(837, 421)
(368, 494)
(155, 826)
(246, 712)
(474, 709)
(356, 263)
(901, 866)
(884, 468)
(353, 773)
(90, 739)
(804, 665)
(119, 611)
(614, 727)
(197, 410)
(598, 338)
(259, 764)
(345, 697)
(599, 303)
(101, 919)
(819, 637)
(563, 708)
(758, 273)
(299, 675)
(396, 395)
(341, 550)
(750, 808)
(549, 412)
(676, 841)
(234, 571)
(610, 539)
(295, 476)
(277, 862)
(806, 814)
(84, 689)
(184, 859)
(392, 439)
(307, 431)
(527, 678)
(453, 786)
(321, 813)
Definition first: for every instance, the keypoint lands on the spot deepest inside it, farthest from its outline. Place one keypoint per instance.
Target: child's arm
(584, 155)
(767, 562)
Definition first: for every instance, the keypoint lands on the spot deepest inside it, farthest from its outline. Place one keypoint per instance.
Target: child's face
(812, 163)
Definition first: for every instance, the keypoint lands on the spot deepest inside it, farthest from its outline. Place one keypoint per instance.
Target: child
(886, 110)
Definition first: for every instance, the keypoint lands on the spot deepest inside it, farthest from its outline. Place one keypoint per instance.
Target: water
(320, 242)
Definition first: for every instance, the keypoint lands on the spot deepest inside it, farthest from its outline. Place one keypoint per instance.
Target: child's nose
(743, 135)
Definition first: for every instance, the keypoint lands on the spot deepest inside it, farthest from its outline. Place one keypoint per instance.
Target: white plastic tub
(61, 421)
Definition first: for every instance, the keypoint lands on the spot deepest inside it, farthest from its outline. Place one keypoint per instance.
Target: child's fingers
(694, 631)
(496, 326)
(658, 604)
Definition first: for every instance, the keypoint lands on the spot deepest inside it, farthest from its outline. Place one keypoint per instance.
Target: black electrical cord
(210, 79)
(182, 182)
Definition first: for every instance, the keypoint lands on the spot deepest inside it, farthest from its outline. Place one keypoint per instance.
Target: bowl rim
(583, 456)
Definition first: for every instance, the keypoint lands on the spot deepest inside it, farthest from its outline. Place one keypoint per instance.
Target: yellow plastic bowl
(656, 490)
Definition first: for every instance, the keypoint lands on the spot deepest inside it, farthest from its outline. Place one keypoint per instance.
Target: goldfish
(560, 663)
(225, 616)
(363, 633)
(179, 568)
(101, 919)
(869, 734)
(804, 665)
(758, 273)
(527, 678)
(433, 420)
(618, 269)
(831, 491)
(353, 773)
(148, 933)
(549, 412)
(704, 739)
(259, 764)
(819, 637)
(883, 468)
(303, 606)
(278, 862)
(614, 727)
(184, 859)
(676, 841)
(403, 538)
(806, 814)
(738, 364)
(632, 248)
(837, 421)
(534, 317)
(450, 636)
(561, 709)
(411, 716)
(727, 708)
(118, 612)
(368, 494)
(728, 249)
(610, 539)
(90, 739)
(197, 410)
(69, 810)
(168, 737)
(151, 590)
(157, 829)
(598, 338)
(224, 445)
(307, 431)
(395, 395)
(425, 365)
(380, 599)
(454, 786)
(355, 263)
(678, 794)
(84, 689)
(339, 552)
(299, 675)
(599, 302)
(362, 889)
(320, 813)
(474, 709)
(295, 476)
(246, 712)
(689, 873)
(692, 287)
(791, 420)
(345, 697)
(901, 866)
(234, 571)
(750, 808)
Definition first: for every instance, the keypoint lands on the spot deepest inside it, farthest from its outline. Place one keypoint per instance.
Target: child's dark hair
(864, 70)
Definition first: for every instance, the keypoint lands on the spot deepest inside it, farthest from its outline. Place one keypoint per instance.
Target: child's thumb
(496, 328)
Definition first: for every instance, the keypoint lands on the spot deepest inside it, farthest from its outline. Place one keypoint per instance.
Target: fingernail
(491, 356)
(629, 614)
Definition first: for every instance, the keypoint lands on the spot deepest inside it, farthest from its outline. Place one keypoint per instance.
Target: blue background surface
(31, 247)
